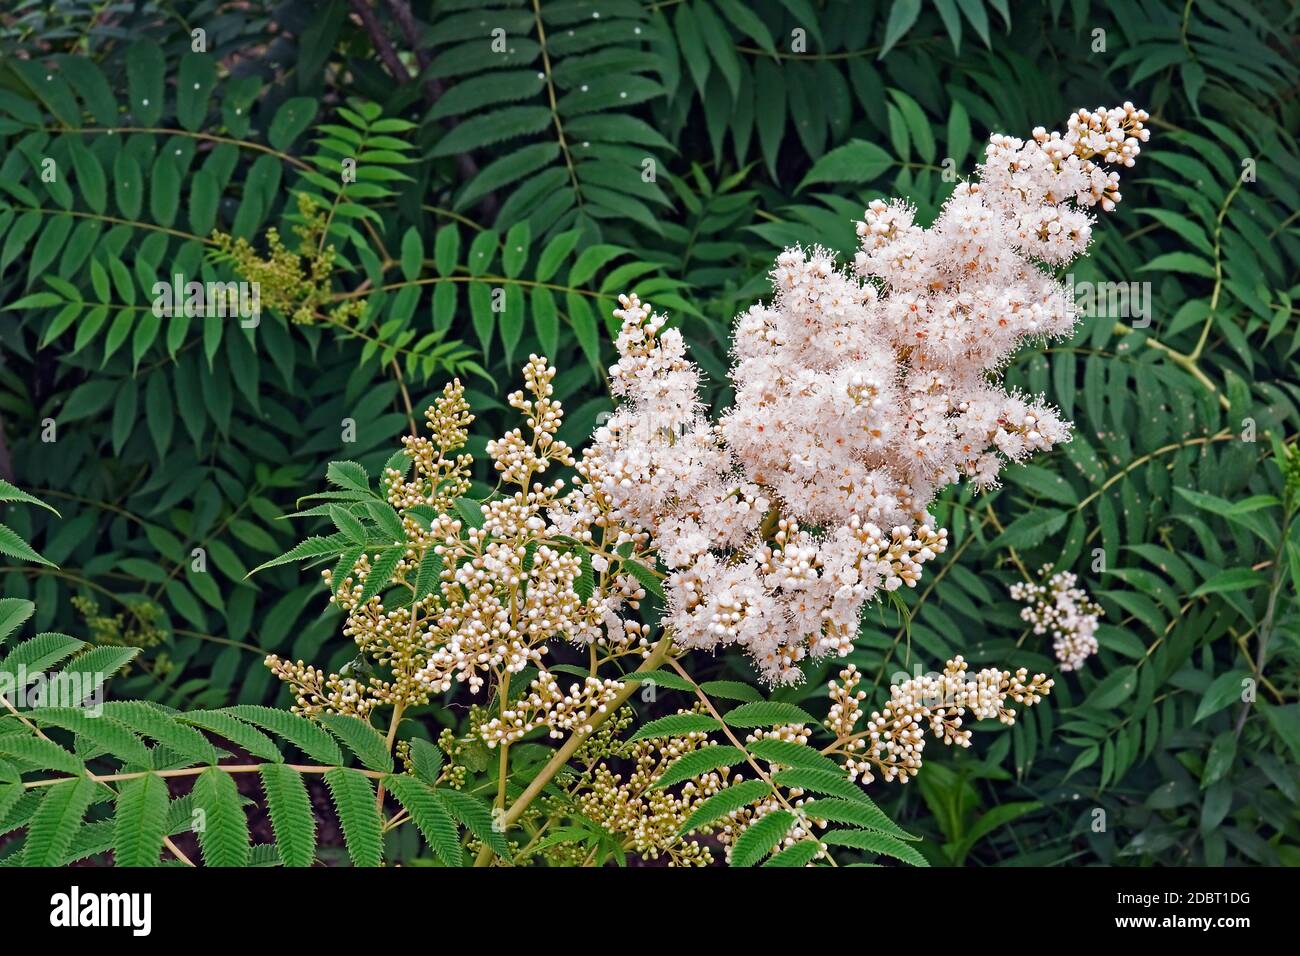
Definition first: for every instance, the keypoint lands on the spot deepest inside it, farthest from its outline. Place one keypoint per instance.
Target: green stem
(557, 762)
(195, 771)
(1266, 626)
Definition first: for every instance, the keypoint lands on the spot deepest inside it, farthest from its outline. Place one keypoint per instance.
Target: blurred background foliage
(518, 164)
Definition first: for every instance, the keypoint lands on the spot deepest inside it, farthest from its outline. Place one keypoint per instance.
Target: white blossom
(861, 393)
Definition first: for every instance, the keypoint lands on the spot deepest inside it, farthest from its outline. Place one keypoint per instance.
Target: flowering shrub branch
(861, 393)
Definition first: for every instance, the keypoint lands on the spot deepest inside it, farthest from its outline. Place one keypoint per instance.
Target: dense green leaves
(498, 205)
(302, 733)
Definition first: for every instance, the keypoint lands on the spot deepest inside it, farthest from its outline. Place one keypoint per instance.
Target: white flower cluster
(740, 570)
(484, 586)
(547, 705)
(860, 394)
(894, 739)
(1058, 606)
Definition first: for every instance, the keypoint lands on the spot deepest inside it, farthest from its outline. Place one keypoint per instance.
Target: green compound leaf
(757, 839)
(56, 822)
(430, 816)
(221, 826)
(676, 725)
(354, 799)
(141, 821)
(724, 802)
(767, 713)
(362, 739)
(290, 809)
(698, 762)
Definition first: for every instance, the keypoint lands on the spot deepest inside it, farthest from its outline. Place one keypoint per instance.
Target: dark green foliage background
(174, 435)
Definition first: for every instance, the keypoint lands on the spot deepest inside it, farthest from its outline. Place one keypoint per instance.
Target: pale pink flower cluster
(1059, 607)
(894, 740)
(860, 394)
